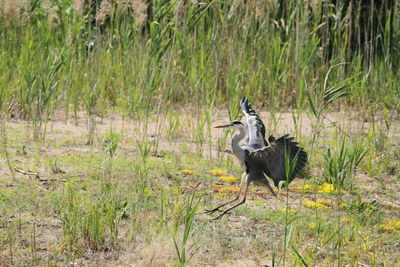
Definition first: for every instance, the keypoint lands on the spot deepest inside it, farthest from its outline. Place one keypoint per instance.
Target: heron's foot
(213, 210)
(221, 215)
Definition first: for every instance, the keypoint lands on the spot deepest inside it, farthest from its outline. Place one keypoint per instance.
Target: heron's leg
(265, 183)
(229, 202)
(247, 183)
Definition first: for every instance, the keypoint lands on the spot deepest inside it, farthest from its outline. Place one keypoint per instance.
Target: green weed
(89, 221)
(341, 163)
(190, 211)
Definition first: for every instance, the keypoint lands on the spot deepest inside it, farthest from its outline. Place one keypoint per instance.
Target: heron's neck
(236, 139)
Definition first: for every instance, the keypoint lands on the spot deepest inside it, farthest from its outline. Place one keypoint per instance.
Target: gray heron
(279, 159)
(244, 135)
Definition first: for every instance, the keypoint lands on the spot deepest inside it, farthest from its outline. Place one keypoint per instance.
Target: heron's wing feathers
(255, 125)
(271, 159)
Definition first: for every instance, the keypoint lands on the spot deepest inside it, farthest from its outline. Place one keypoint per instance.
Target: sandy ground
(73, 133)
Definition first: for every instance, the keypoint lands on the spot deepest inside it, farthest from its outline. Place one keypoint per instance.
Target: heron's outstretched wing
(255, 125)
(271, 159)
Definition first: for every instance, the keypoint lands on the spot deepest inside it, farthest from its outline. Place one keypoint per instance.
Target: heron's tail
(297, 155)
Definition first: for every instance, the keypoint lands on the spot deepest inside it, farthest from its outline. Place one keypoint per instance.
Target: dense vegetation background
(137, 55)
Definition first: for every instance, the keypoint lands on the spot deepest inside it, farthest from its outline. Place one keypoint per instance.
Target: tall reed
(186, 53)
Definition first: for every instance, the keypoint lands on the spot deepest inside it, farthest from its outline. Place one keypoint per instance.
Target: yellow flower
(225, 191)
(326, 188)
(217, 172)
(391, 225)
(302, 188)
(312, 225)
(325, 202)
(346, 219)
(314, 205)
(342, 204)
(289, 211)
(229, 179)
(188, 172)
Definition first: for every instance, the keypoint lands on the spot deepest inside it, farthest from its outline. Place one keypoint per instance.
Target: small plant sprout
(110, 144)
(183, 248)
(144, 149)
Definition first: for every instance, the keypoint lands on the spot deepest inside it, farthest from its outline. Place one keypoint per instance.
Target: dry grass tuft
(79, 6)
(11, 9)
(51, 10)
(158, 252)
(105, 11)
(107, 8)
(139, 9)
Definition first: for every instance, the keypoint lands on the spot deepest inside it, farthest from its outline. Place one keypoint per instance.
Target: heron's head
(231, 125)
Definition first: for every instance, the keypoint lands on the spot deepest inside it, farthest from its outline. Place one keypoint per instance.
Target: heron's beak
(223, 125)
